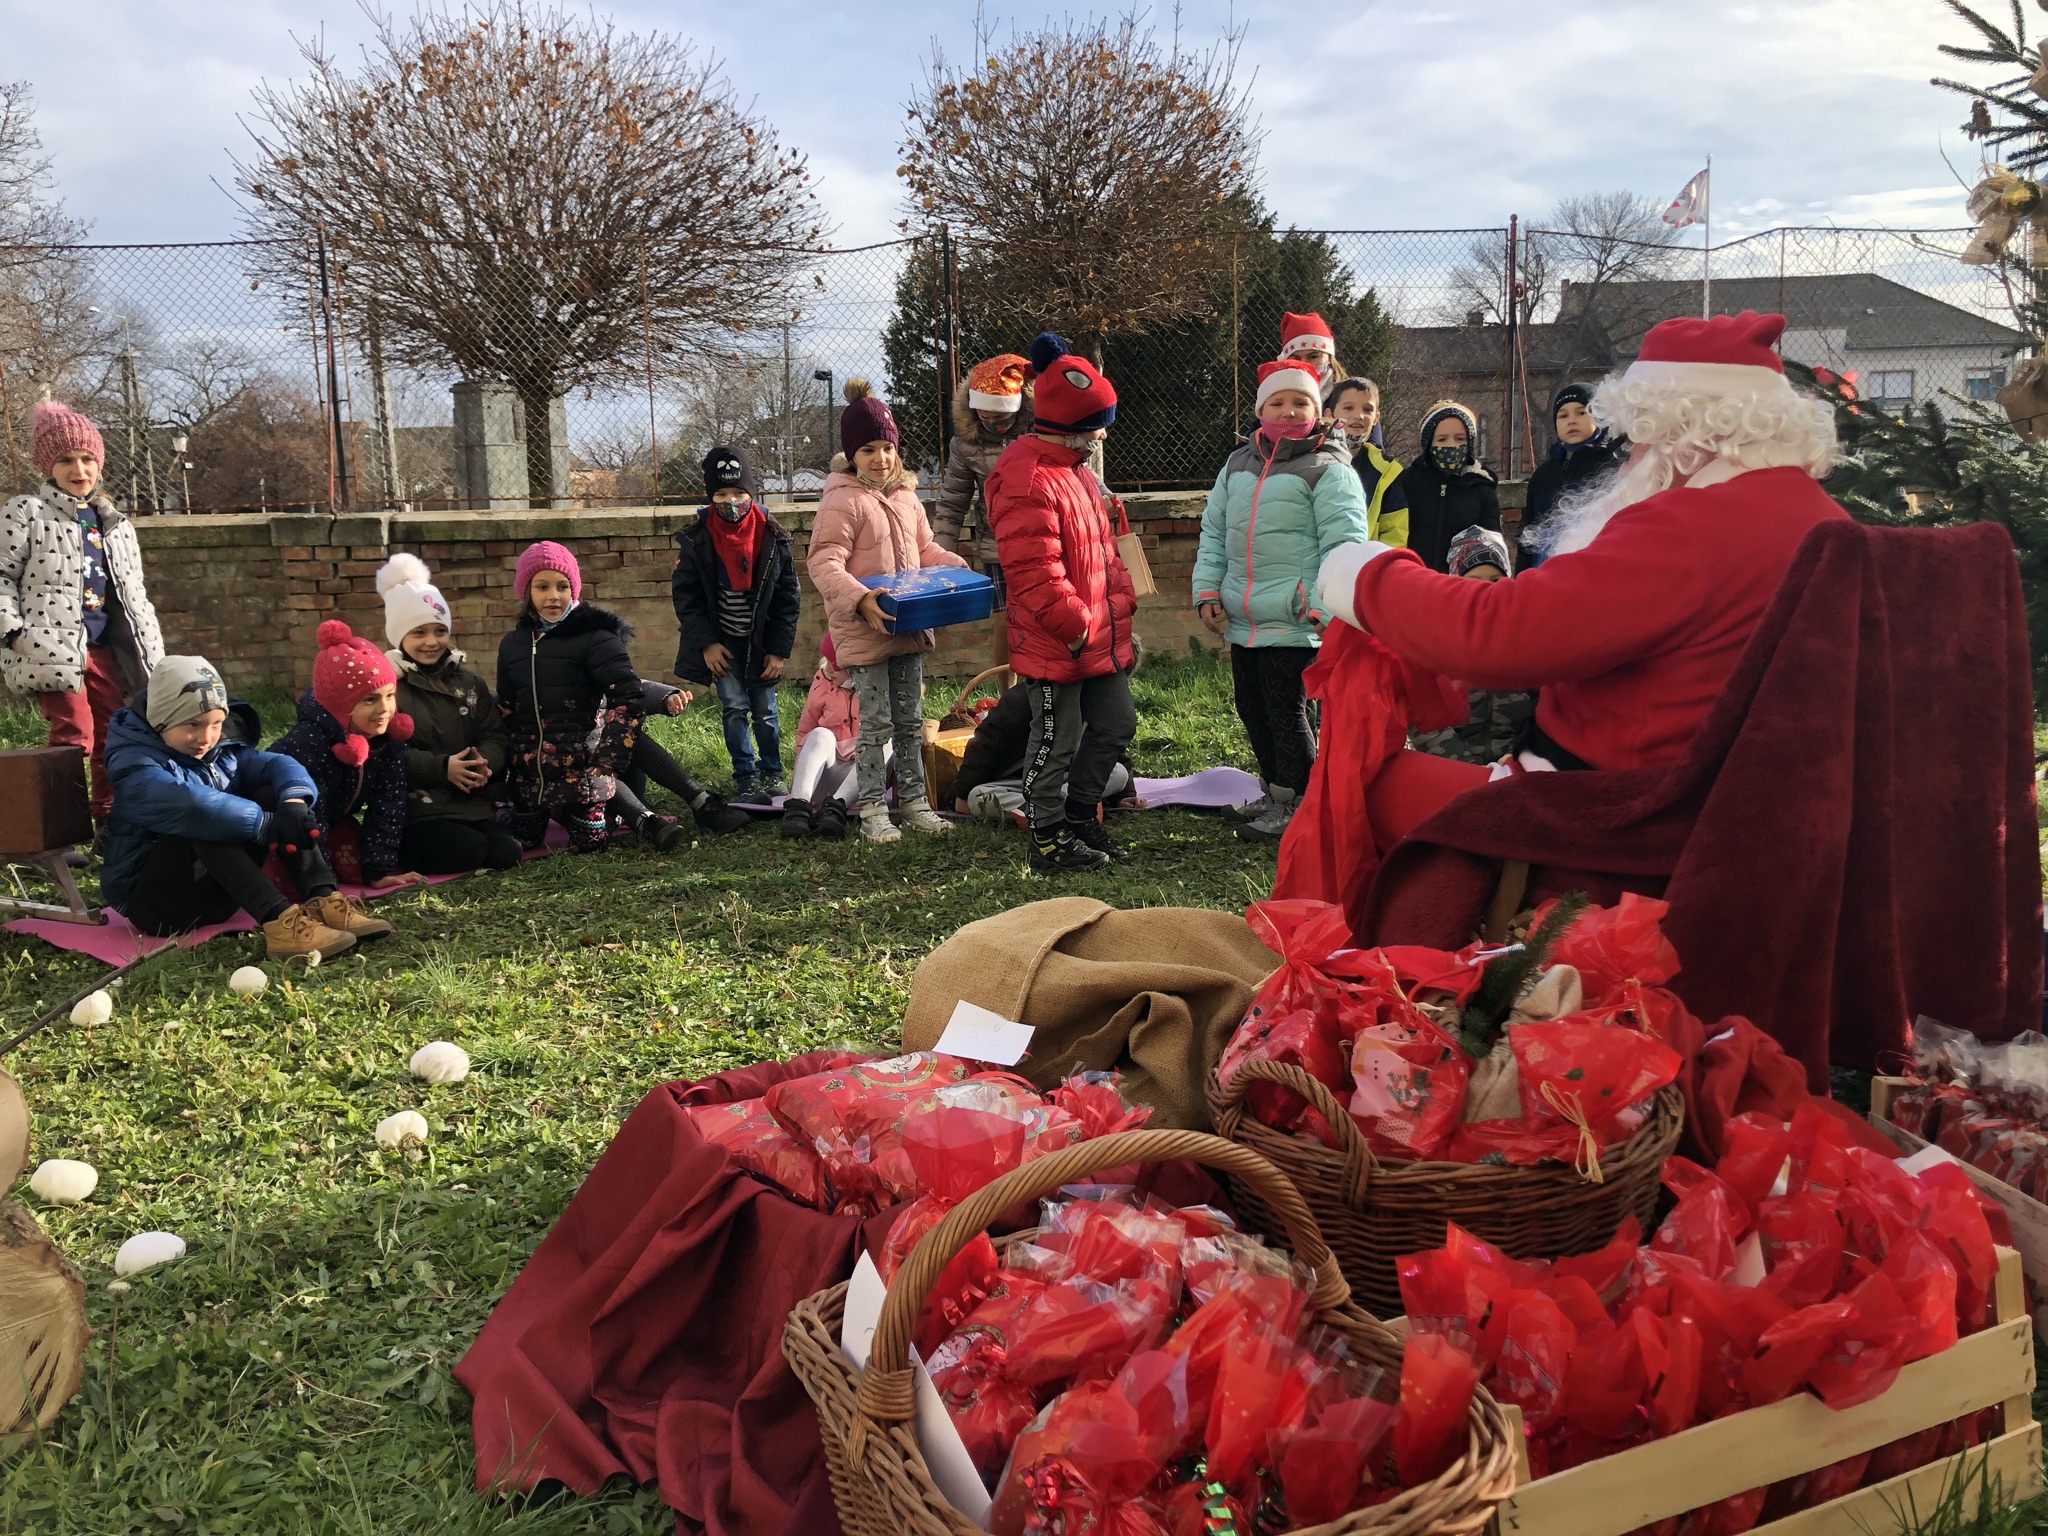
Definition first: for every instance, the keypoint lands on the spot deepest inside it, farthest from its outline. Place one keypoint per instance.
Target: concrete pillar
(490, 448)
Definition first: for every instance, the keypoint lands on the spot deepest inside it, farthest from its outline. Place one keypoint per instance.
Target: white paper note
(945, 1453)
(979, 1034)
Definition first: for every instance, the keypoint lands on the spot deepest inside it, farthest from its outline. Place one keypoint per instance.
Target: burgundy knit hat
(348, 670)
(865, 420)
(58, 430)
(547, 555)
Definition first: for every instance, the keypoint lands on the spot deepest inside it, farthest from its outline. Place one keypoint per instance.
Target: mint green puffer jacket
(1266, 529)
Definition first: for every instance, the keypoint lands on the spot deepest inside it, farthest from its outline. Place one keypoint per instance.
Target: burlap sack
(1495, 1092)
(1154, 993)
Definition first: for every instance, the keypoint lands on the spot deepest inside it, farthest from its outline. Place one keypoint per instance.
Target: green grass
(292, 1374)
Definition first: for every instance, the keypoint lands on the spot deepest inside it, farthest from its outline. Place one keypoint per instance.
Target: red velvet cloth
(1849, 840)
(644, 1336)
(1370, 698)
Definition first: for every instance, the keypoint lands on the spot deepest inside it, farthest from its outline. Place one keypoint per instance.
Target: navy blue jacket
(378, 789)
(162, 793)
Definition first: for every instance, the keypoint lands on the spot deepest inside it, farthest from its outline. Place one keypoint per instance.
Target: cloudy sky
(1380, 114)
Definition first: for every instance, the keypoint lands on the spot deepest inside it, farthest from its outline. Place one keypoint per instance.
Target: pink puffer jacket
(860, 531)
(833, 704)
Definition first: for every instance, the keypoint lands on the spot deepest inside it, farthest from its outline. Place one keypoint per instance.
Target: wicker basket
(866, 1418)
(957, 717)
(1373, 1212)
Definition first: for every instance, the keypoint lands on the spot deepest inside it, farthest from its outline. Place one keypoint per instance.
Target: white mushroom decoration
(93, 1008)
(146, 1250)
(64, 1180)
(407, 1128)
(248, 981)
(440, 1061)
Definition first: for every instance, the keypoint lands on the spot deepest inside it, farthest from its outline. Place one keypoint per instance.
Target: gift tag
(945, 1453)
(979, 1034)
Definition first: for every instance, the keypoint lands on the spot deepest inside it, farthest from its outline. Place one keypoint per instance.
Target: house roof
(1876, 313)
(1548, 349)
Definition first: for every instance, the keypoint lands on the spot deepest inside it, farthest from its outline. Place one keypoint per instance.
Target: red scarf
(735, 544)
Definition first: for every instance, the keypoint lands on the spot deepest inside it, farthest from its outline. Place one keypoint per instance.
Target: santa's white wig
(1679, 426)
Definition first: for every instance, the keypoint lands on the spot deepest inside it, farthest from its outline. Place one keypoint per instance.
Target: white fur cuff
(1337, 582)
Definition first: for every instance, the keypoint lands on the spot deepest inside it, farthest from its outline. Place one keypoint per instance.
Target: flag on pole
(1690, 204)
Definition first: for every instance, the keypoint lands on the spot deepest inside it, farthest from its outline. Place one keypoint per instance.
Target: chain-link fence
(251, 376)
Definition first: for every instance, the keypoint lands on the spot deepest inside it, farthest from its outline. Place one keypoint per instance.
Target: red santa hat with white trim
(1287, 374)
(1722, 355)
(1303, 333)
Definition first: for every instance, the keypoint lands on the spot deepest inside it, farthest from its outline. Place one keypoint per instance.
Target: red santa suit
(1631, 638)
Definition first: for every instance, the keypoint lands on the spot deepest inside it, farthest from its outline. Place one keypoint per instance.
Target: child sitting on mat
(196, 812)
(823, 785)
(350, 738)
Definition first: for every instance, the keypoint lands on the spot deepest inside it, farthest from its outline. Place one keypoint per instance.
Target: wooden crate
(1703, 1465)
(2027, 1216)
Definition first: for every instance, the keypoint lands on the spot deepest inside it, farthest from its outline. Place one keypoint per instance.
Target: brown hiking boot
(337, 911)
(296, 931)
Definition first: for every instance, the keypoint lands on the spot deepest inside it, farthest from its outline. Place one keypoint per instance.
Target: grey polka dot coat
(42, 594)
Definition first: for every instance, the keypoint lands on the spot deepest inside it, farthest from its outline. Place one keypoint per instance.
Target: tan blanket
(1153, 993)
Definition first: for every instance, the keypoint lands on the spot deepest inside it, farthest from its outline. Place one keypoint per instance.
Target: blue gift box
(933, 597)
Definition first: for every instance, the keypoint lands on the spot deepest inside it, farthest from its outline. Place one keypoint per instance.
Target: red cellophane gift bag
(854, 1116)
(1612, 946)
(1437, 1379)
(759, 1144)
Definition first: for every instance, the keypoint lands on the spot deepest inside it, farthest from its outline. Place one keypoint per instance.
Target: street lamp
(824, 376)
(178, 445)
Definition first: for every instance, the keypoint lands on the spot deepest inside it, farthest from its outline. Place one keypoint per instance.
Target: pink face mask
(1277, 430)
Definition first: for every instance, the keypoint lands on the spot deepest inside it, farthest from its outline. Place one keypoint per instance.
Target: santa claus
(1652, 586)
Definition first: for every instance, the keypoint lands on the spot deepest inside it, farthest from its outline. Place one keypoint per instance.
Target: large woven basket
(866, 1418)
(1373, 1212)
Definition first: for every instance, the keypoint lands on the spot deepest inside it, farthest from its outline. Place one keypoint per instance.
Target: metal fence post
(1511, 345)
(1236, 364)
(336, 455)
(647, 342)
(380, 402)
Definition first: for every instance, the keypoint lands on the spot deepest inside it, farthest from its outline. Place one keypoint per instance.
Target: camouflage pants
(1486, 736)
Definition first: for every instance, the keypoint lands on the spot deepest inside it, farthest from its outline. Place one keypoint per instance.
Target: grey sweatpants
(1078, 731)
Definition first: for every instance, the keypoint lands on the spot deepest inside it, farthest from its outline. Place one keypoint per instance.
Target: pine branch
(1991, 33)
(1504, 976)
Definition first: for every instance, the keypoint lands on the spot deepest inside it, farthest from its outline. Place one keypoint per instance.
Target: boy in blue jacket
(197, 809)
(1282, 501)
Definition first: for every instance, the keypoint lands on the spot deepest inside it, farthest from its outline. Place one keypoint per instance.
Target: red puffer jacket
(1064, 576)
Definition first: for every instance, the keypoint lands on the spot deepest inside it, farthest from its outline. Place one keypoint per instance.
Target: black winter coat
(1566, 469)
(376, 791)
(700, 576)
(1440, 507)
(996, 749)
(572, 706)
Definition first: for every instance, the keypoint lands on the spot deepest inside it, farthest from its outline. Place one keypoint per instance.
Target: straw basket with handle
(1372, 1212)
(866, 1418)
(960, 716)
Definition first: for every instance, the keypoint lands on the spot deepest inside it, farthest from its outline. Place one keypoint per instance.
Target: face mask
(735, 511)
(1276, 430)
(1449, 457)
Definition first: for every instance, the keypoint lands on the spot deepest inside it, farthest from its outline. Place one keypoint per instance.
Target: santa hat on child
(410, 598)
(996, 384)
(1302, 333)
(1287, 374)
(56, 430)
(1724, 355)
(348, 670)
(1070, 393)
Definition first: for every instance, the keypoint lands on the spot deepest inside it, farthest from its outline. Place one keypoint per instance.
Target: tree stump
(13, 1132)
(43, 1332)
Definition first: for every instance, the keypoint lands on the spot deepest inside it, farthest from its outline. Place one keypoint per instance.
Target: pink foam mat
(116, 942)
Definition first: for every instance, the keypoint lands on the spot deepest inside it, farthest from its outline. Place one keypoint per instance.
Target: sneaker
(1251, 810)
(830, 821)
(660, 831)
(746, 786)
(1063, 853)
(1093, 834)
(920, 817)
(719, 819)
(796, 818)
(296, 931)
(1272, 826)
(772, 784)
(337, 911)
(876, 826)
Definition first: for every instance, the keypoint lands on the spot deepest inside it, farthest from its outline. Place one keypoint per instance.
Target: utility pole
(342, 498)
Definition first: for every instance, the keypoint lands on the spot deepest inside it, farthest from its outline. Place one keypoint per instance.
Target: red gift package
(1611, 946)
(1587, 1073)
(1326, 1470)
(854, 1116)
(1408, 1087)
(1437, 1381)
(761, 1146)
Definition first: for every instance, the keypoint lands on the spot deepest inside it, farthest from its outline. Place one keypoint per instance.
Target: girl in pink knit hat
(77, 632)
(572, 702)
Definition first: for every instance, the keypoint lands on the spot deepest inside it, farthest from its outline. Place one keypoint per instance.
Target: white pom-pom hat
(410, 597)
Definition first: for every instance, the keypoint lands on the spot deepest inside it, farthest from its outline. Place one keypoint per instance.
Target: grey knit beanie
(181, 687)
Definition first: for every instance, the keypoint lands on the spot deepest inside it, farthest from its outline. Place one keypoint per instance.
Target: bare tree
(30, 211)
(1598, 245)
(1106, 173)
(534, 198)
(1478, 289)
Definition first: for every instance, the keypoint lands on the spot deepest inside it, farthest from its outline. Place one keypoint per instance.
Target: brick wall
(248, 592)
